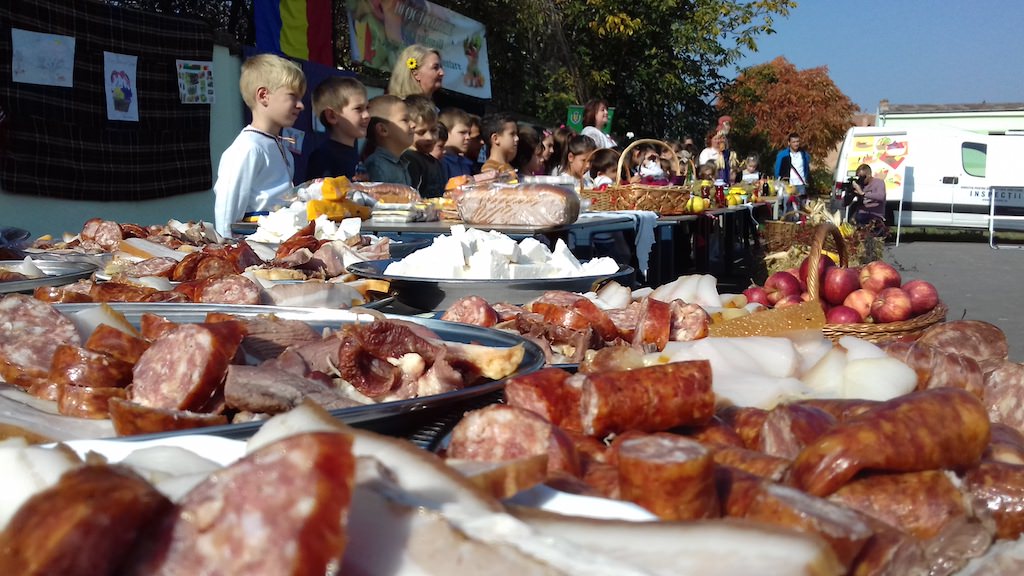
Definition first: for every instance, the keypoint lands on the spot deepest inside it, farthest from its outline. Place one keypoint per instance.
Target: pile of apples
(872, 293)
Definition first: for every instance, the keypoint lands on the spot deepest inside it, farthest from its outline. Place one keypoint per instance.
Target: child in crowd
(424, 170)
(476, 144)
(529, 160)
(548, 141)
(576, 159)
(751, 175)
(604, 165)
(455, 161)
(341, 106)
(558, 142)
(257, 170)
(438, 150)
(707, 170)
(390, 132)
(502, 137)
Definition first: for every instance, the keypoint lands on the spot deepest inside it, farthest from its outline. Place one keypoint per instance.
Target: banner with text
(378, 31)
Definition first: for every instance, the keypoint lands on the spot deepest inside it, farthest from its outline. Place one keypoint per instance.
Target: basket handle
(814, 258)
(635, 143)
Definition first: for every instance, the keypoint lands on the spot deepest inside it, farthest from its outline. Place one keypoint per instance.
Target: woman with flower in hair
(418, 70)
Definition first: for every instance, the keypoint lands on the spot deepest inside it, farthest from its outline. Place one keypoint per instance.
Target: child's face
(282, 106)
(458, 138)
(438, 149)
(353, 118)
(475, 142)
(400, 126)
(578, 164)
(424, 136)
(751, 165)
(536, 163)
(548, 146)
(507, 141)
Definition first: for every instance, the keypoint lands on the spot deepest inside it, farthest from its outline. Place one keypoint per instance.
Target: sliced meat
(162, 266)
(152, 326)
(87, 401)
(1004, 395)
(267, 336)
(120, 292)
(669, 475)
(771, 468)
(972, 338)
(264, 389)
(60, 295)
(30, 332)
(996, 493)
(688, 322)
(131, 418)
(612, 358)
(1006, 445)
(471, 310)
(211, 266)
(227, 289)
(546, 394)
(789, 427)
(653, 325)
(76, 366)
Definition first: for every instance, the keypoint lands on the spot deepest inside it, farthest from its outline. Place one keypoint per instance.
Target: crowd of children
(408, 141)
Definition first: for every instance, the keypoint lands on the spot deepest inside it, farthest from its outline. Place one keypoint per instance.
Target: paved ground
(975, 281)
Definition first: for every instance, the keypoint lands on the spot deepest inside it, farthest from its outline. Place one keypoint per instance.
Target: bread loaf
(519, 205)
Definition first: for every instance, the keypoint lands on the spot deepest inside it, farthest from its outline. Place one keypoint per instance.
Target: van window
(973, 155)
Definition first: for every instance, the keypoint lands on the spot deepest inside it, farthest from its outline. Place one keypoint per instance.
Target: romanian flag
(300, 29)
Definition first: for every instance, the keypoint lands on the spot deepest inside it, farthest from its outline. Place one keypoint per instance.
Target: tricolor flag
(300, 29)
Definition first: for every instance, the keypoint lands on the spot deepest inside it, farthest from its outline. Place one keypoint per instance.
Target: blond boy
(341, 105)
(390, 132)
(256, 170)
(455, 161)
(424, 170)
(501, 133)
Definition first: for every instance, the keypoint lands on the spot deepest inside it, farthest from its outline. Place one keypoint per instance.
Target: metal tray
(320, 318)
(57, 274)
(433, 294)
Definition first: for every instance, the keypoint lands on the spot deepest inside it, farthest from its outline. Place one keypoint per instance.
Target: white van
(940, 177)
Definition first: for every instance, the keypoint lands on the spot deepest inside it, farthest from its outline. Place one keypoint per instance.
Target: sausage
(185, 270)
(669, 475)
(499, 432)
(938, 368)
(182, 368)
(562, 298)
(789, 427)
(653, 325)
(546, 394)
(919, 503)
(44, 389)
(87, 401)
(715, 433)
(603, 479)
(303, 238)
(104, 234)
(471, 310)
(927, 430)
(561, 316)
(152, 326)
(77, 366)
(89, 228)
(1006, 445)
(736, 490)
(228, 289)
(841, 527)
(610, 359)
(133, 231)
(752, 462)
(507, 311)
(30, 332)
(229, 522)
(648, 399)
(1004, 395)
(973, 338)
(241, 255)
(598, 319)
(167, 296)
(688, 322)
(625, 320)
(119, 292)
(996, 493)
(83, 525)
(842, 409)
(267, 336)
(210, 266)
(162, 266)
(59, 295)
(748, 422)
(131, 418)
(889, 552)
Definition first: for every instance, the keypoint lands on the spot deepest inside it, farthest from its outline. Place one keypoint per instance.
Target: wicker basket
(866, 331)
(665, 200)
(780, 234)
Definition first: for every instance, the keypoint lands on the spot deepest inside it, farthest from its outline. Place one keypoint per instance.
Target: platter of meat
(88, 370)
(15, 277)
(433, 294)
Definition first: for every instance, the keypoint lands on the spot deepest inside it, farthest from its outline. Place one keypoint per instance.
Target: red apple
(824, 263)
(923, 296)
(795, 272)
(787, 301)
(806, 297)
(780, 285)
(860, 300)
(877, 276)
(843, 315)
(891, 305)
(839, 283)
(757, 294)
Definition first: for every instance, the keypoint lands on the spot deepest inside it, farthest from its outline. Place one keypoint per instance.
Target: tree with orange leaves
(770, 100)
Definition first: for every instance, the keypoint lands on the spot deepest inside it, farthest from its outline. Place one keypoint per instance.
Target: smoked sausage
(653, 325)
(996, 492)
(919, 503)
(669, 475)
(130, 418)
(30, 332)
(546, 394)
(976, 339)
(471, 310)
(76, 366)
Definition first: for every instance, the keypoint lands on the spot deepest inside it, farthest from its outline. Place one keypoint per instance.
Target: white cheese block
(565, 261)
(533, 251)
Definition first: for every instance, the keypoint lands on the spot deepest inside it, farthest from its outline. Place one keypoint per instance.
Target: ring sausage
(927, 430)
(789, 427)
(918, 503)
(546, 394)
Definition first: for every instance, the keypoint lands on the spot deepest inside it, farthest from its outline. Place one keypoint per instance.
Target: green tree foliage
(770, 100)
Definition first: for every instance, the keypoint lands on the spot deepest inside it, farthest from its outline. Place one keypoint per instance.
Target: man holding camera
(871, 191)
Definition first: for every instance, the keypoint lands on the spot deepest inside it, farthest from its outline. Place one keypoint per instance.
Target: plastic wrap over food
(518, 205)
(364, 193)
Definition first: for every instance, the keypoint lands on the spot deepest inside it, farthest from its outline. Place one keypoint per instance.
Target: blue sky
(909, 51)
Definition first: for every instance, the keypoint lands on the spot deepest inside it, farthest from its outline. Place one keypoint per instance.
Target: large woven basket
(780, 234)
(665, 200)
(866, 331)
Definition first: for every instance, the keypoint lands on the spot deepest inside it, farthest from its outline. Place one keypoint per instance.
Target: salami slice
(669, 475)
(471, 310)
(228, 289)
(162, 266)
(185, 270)
(688, 322)
(654, 324)
(183, 368)
(76, 366)
(211, 266)
(30, 332)
(280, 510)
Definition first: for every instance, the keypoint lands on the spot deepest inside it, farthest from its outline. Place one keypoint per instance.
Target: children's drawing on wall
(47, 59)
(119, 82)
(195, 81)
